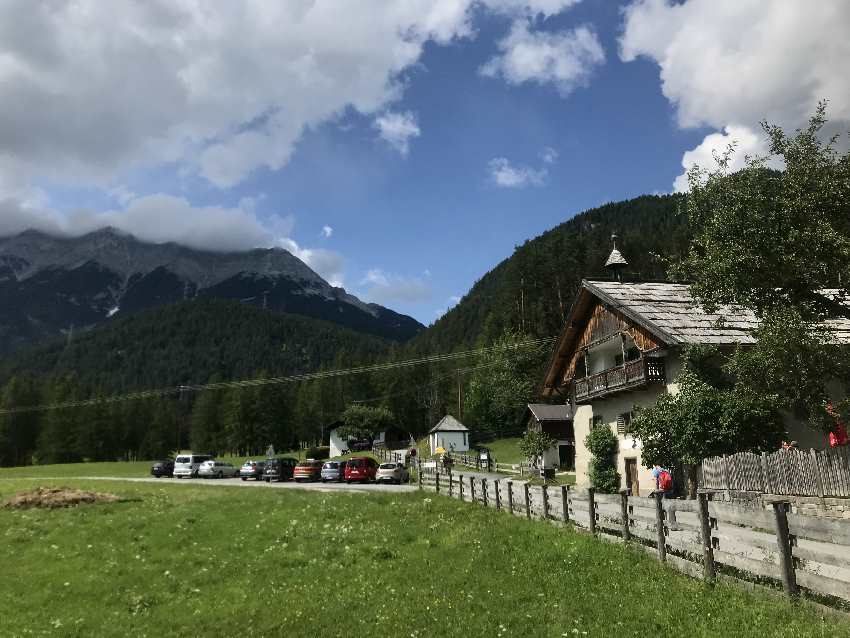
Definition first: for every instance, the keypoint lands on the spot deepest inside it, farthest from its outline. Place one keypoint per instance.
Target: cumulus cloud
(397, 129)
(746, 142)
(545, 8)
(507, 175)
(729, 65)
(91, 89)
(327, 231)
(383, 287)
(565, 59)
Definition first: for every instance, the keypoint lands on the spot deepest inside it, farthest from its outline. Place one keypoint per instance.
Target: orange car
(308, 470)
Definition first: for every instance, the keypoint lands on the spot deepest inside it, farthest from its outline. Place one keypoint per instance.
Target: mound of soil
(55, 497)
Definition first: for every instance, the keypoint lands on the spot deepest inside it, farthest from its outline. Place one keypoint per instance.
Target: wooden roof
(449, 424)
(546, 412)
(668, 312)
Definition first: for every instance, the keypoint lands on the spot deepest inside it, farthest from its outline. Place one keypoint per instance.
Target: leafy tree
(773, 241)
(504, 384)
(533, 445)
(710, 415)
(364, 421)
(19, 431)
(603, 474)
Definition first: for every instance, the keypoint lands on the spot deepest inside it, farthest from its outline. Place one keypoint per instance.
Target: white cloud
(90, 90)
(328, 263)
(327, 231)
(729, 65)
(383, 287)
(397, 129)
(565, 59)
(745, 141)
(531, 8)
(506, 175)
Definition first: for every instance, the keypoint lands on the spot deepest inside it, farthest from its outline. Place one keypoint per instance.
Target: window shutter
(621, 424)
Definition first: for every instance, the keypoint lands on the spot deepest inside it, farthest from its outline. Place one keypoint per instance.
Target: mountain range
(54, 286)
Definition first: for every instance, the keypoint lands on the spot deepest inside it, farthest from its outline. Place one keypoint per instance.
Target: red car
(361, 468)
(308, 471)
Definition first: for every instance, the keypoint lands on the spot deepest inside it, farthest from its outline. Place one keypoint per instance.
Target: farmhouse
(556, 421)
(449, 434)
(621, 348)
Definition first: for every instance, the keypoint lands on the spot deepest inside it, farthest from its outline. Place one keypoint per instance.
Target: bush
(602, 444)
(318, 453)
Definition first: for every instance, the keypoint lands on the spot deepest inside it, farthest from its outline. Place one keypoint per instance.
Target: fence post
(816, 470)
(419, 474)
(450, 484)
(498, 494)
(565, 503)
(545, 494)
(471, 489)
(725, 467)
(624, 512)
(484, 491)
(783, 540)
(437, 480)
(460, 486)
(659, 527)
(511, 497)
(766, 487)
(591, 504)
(705, 533)
(527, 501)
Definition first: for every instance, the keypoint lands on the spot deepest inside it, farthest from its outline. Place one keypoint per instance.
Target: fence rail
(699, 537)
(823, 473)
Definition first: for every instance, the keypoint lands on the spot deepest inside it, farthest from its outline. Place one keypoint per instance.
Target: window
(624, 423)
(596, 421)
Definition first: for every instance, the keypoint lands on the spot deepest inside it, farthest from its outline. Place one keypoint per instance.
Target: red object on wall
(838, 436)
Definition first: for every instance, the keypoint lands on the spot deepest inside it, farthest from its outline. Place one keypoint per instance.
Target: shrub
(318, 453)
(602, 444)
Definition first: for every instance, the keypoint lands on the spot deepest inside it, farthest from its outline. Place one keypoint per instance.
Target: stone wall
(827, 507)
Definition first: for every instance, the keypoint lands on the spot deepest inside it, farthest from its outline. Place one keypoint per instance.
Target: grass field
(177, 559)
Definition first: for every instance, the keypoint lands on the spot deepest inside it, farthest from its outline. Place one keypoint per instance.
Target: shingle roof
(669, 311)
(616, 259)
(449, 424)
(546, 412)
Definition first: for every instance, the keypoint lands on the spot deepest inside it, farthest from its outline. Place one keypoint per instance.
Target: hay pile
(56, 497)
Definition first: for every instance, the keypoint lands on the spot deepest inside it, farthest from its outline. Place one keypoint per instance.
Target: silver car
(333, 471)
(392, 473)
(216, 469)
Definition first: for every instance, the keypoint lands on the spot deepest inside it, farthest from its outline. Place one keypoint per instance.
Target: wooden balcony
(629, 376)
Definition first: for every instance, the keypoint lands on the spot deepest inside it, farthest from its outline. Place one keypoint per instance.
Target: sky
(400, 148)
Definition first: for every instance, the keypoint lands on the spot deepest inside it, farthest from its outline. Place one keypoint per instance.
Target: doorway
(632, 484)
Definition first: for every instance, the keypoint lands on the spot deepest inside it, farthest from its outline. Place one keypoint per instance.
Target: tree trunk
(692, 480)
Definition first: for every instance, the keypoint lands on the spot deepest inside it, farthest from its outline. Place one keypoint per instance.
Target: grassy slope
(219, 561)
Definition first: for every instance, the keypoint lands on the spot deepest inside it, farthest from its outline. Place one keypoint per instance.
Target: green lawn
(179, 559)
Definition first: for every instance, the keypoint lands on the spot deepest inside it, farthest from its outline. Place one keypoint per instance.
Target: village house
(449, 434)
(622, 347)
(556, 421)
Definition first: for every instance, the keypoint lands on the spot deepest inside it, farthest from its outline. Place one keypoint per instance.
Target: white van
(186, 465)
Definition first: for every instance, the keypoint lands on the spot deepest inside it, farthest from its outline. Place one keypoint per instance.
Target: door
(567, 457)
(632, 477)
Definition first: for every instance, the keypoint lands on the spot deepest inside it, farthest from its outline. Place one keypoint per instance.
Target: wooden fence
(791, 472)
(699, 537)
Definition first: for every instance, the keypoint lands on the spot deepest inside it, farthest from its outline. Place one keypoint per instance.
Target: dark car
(163, 468)
(361, 468)
(280, 469)
(252, 469)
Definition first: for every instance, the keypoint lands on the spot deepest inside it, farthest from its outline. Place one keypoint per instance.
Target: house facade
(622, 348)
(556, 421)
(449, 434)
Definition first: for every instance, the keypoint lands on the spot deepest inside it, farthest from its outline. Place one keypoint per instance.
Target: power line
(253, 383)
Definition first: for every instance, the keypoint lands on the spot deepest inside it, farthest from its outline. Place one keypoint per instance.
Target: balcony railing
(630, 375)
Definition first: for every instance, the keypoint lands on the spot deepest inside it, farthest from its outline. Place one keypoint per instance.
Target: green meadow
(175, 559)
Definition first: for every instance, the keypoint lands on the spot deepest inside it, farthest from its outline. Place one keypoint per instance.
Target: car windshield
(355, 463)
(182, 459)
(331, 466)
(388, 466)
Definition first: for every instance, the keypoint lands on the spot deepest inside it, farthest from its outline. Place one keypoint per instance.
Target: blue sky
(401, 149)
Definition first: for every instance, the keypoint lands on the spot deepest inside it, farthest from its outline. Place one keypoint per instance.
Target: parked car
(392, 473)
(162, 468)
(217, 469)
(252, 469)
(333, 471)
(309, 470)
(360, 468)
(279, 469)
(187, 465)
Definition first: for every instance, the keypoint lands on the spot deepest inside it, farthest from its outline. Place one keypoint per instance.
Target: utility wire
(252, 383)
